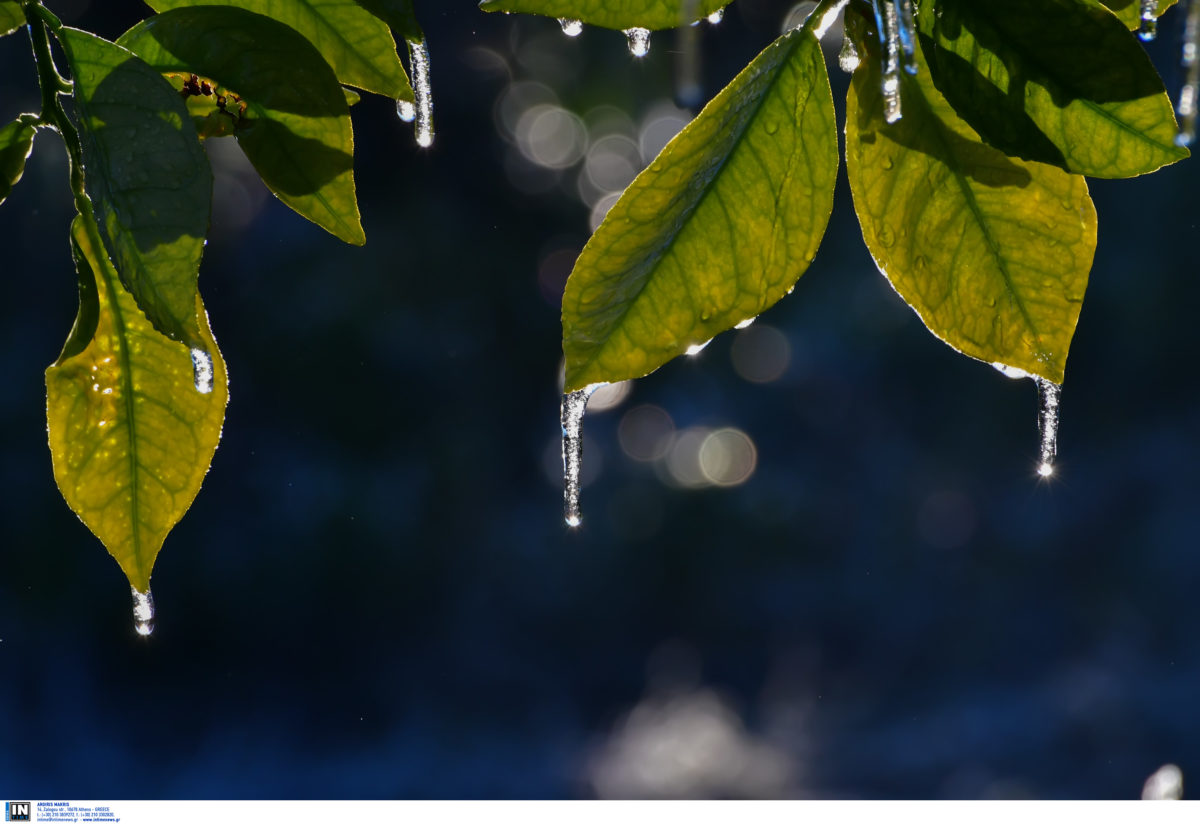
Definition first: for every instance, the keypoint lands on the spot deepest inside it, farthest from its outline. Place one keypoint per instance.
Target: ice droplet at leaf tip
(639, 41)
(143, 612)
(574, 404)
(570, 27)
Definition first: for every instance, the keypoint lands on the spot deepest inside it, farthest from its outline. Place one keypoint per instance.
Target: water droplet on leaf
(571, 28)
(717, 16)
(639, 41)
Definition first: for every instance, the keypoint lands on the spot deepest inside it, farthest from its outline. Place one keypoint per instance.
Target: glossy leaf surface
(296, 127)
(130, 436)
(1075, 90)
(718, 228)
(12, 17)
(626, 14)
(16, 142)
(355, 43)
(992, 252)
(147, 176)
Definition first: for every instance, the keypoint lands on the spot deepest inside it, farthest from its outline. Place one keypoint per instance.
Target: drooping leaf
(628, 14)
(1130, 11)
(718, 228)
(1075, 90)
(992, 252)
(131, 437)
(356, 44)
(399, 15)
(12, 17)
(147, 176)
(296, 126)
(16, 142)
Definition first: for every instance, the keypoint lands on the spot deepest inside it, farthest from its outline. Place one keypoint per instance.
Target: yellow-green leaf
(355, 43)
(131, 435)
(1130, 11)
(718, 228)
(1075, 90)
(16, 142)
(147, 176)
(399, 16)
(626, 14)
(992, 252)
(296, 126)
(12, 17)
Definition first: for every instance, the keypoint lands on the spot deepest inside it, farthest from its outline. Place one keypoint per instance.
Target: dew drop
(639, 41)
(418, 58)
(1048, 397)
(406, 110)
(716, 17)
(202, 371)
(574, 404)
(1149, 27)
(143, 612)
(571, 28)
(848, 56)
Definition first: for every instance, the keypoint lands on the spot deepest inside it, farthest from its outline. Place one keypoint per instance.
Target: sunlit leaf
(131, 437)
(16, 142)
(398, 14)
(296, 126)
(717, 229)
(147, 175)
(11, 17)
(627, 14)
(1130, 11)
(992, 252)
(1075, 90)
(356, 44)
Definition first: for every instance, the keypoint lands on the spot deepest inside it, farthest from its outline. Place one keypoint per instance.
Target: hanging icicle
(1149, 28)
(1186, 108)
(574, 404)
(1048, 409)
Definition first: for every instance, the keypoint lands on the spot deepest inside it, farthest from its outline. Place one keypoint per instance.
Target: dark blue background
(374, 595)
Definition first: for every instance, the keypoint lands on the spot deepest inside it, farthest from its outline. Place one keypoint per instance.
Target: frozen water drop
(697, 348)
(143, 612)
(202, 371)
(1011, 371)
(848, 56)
(574, 404)
(1149, 27)
(571, 28)
(406, 110)
(907, 32)
(717, 16)
(1048, 408)
(829, 19)
(639, 41)
(418, 58)
(745, 323)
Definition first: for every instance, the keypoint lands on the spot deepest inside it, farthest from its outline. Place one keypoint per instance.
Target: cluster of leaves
(973, 203)
(136, 400)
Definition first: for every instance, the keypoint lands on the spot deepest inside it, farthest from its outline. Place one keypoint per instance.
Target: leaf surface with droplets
(717, 229)
(627, 14)
(147, 176)
(296, 127)
(992, 252)
(1076, 90)
(131, 438)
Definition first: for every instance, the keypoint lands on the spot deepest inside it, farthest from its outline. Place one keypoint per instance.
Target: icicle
(907, 32)
(828, 20)
(1149, 29)
(571, 28)
(406, 110)
(1186, 109)
(889, 38)
(848, 56)
(1048, 397)
(574, 404)
(639, 41)
(202, 371)
(143, 612)
(716, 17)
(418, 61)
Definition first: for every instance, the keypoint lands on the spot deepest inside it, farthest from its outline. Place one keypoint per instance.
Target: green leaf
(16, 142)
(1130, 11)
(992, 252)
(718, 228)
(1075, 90)
(356, 44)
(12, 17)
(398, 14)
(646, 14)
(296, 129)
(131, 438)
(147, 176)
